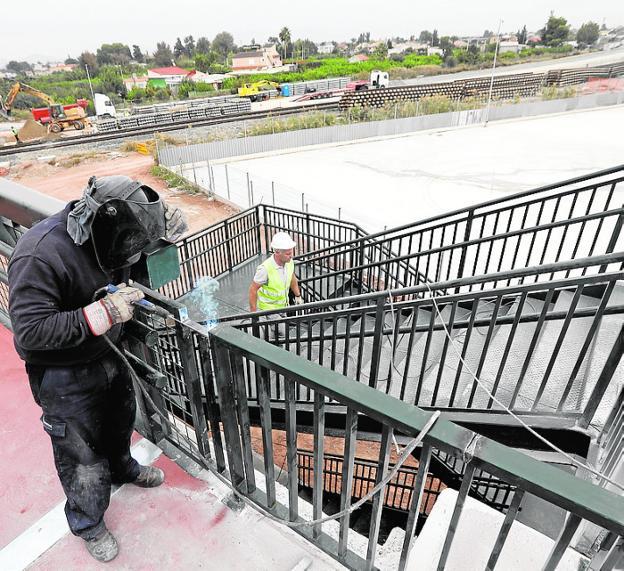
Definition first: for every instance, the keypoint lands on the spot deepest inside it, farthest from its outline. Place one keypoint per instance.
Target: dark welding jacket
(50, 280)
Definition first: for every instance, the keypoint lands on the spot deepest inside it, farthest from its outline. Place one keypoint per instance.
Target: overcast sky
(46, 31)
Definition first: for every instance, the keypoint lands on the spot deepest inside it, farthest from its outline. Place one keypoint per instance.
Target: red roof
(173, 70)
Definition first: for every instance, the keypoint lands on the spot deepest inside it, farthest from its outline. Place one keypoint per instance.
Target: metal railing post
(467, 232)
(228, 244)
(603, 381)
(377, 342)
(192, 383)
(614, 239)
(227, 181)
(227, 405)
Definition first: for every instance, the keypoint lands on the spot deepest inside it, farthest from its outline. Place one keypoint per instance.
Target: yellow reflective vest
(274, 293)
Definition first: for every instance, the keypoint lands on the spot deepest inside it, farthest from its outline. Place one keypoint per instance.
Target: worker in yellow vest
(275, 277)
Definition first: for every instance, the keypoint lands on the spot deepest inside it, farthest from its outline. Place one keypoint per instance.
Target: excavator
(258, 91)
(60, 117)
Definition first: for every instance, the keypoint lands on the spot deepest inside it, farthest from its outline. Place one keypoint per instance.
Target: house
(134, 81)
(325, 48)
(258, 60)
(508, 47)
(61, 67)
(434, 51)
(215, 79)
(400, 48)
(357, 58)
(172, 75)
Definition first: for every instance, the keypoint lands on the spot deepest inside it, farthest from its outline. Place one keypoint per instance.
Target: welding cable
(390, 473)
(534, 432)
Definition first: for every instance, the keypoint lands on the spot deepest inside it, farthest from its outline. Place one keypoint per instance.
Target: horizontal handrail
(473, 242)
(555, 486)
(24, 205)
(441, 286)
(473, 208)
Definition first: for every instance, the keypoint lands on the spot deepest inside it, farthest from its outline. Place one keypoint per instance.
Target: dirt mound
(32, 130)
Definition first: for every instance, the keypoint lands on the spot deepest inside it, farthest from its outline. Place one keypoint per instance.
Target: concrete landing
(181, 525)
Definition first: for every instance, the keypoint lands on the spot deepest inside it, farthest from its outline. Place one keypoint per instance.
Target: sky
(85, 26)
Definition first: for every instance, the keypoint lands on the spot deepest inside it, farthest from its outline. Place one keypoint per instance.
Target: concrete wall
(172, 156)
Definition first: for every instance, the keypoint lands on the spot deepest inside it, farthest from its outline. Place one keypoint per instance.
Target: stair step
(515, 359)
(452, 363)
(393, 357)
(436, 347)
(565, 360)
(608, 332)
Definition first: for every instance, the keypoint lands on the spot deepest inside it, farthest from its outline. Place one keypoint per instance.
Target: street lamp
(487, 109)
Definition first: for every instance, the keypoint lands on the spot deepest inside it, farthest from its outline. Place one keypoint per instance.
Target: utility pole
(90, 85)
(487, 109)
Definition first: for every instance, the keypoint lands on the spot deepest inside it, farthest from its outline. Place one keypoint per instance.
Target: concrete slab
(402, 179)
(181, 525)
(475, 537)
(29, 486)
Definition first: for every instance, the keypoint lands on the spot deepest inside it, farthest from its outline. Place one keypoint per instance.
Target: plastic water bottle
(205, 300)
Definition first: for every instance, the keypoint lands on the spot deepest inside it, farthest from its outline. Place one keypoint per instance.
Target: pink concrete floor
(180, 525)
(29, 487)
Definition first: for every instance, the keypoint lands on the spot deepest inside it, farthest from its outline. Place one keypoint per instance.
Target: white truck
(378, 80)
(104, 108)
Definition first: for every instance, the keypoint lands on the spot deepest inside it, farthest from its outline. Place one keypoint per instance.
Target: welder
(82, 386)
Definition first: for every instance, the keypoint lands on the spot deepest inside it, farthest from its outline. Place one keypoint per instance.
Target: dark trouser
(88, 411)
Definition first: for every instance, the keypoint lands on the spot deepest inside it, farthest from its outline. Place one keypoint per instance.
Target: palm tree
(284, 37)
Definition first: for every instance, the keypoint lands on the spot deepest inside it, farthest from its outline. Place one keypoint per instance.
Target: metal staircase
(526, 294)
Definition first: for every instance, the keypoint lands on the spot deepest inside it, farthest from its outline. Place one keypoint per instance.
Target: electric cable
(534, 432)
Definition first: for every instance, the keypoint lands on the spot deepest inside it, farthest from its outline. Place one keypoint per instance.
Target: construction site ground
(64, 176)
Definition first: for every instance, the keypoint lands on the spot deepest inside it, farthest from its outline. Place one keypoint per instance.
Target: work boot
(103, 547)
(149, 477)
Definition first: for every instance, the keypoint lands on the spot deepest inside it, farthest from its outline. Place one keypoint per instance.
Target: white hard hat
(282, 241)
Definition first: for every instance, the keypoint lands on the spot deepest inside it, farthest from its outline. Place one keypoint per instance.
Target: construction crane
(60, 117)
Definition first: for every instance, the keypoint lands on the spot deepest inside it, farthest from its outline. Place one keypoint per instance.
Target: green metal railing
(576, 218)
(232, 352)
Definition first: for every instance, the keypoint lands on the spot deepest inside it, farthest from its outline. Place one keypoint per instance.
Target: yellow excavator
(258, 91)
(57, 118)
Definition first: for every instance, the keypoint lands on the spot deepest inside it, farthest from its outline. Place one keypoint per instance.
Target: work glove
(175, 224)
(299, 300)
(112, 309)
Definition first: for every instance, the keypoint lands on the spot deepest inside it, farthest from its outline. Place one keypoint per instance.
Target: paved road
(597, 58)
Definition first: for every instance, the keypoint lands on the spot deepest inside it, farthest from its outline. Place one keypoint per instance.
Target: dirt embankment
(66, 177)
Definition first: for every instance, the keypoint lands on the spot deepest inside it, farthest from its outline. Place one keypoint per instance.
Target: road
(583, 60)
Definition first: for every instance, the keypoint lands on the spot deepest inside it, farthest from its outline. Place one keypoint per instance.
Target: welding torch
(146, 305)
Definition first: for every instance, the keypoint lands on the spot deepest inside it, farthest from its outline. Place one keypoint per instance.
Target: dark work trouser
(88, 411)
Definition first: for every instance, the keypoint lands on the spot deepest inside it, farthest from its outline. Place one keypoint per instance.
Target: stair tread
(515, 359)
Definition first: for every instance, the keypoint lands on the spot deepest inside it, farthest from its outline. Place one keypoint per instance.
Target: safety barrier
(579, 217)
(205, 410)
(424, 345)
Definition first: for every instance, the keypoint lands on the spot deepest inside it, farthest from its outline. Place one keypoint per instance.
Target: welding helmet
(121, 216)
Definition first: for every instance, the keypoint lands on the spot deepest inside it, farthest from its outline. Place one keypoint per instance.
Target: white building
(325, 48)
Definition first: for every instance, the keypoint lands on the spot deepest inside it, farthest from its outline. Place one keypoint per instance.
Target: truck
(58, 118)
(42, 114)
(104, 108)
(378, 80)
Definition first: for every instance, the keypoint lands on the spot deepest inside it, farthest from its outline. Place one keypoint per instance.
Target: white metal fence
(205, 164)
(171, 156)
